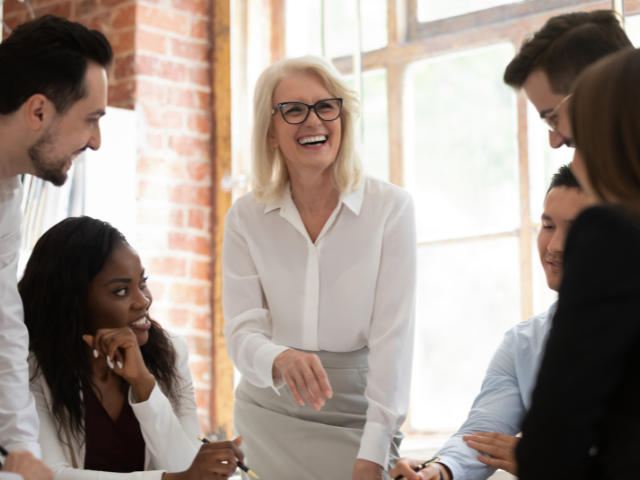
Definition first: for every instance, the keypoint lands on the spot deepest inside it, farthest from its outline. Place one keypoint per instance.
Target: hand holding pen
(216, 461)
(238, 462)
(413, 470)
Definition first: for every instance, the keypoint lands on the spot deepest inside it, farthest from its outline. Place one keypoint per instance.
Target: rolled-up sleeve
(248, 323)
(391, 334)
(18, 417)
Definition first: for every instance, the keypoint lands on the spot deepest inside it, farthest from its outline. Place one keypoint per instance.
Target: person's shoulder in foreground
(584, 385)
(53, 89)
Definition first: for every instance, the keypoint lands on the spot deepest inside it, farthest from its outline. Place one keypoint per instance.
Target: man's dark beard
(52, 171)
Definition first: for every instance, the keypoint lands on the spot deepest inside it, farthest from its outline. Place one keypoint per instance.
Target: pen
(241, 465)
(422, 466)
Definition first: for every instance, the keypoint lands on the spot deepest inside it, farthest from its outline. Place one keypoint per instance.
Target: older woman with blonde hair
(584, 419)
(319, 272)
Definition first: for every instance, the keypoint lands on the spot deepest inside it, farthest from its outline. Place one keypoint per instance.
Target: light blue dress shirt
(505, 396)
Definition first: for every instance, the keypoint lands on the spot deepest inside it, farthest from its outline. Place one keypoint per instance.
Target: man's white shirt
(18, 418)
(505, 396)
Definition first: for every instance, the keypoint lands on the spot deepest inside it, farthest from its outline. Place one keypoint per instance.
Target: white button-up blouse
(354, 287)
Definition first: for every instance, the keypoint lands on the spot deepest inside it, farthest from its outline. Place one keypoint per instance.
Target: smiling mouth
(313, 141)
(137, 323)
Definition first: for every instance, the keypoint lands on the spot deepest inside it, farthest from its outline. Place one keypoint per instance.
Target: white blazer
(171, 437)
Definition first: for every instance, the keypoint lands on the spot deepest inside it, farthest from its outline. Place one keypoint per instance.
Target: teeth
(317, 138)
(142, 321)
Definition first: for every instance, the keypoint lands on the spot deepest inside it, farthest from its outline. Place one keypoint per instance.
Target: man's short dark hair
(49, 56)
(563, 178)
(565, 46)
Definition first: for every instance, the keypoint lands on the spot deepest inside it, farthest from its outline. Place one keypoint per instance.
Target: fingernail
(95, 353)
(471, 442)
(328, 394)
(110, 363)
(119, 363)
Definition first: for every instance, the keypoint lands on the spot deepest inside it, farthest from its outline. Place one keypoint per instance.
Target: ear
(39, 112)
(271, 138)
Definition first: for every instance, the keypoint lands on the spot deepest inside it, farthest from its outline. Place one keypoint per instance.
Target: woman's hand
(25, 464)
(405, 467)
(366, 470)
(215, 460)
(119, 347)
(500, 446)
(305, 377)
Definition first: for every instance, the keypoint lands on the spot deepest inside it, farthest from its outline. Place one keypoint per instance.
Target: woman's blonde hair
(605, 118)
(270, 174)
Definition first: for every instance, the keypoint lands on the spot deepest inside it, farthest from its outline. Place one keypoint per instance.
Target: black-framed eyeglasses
(295, 113)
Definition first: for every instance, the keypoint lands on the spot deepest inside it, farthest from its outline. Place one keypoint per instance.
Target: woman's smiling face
(291, 139)
(118, 295)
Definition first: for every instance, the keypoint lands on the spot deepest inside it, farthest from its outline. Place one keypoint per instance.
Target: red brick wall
(162, 70)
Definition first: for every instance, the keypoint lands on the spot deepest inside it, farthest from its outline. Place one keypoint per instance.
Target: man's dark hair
(564, 178)
(49, 56)
(565, 46)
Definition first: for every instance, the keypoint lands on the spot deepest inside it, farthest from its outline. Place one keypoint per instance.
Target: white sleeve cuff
(375, 444)
(263, 365)
(32, 447)
(10, 476)
(151, 407)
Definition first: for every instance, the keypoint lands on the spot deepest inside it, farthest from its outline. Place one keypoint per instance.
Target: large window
(438, 121)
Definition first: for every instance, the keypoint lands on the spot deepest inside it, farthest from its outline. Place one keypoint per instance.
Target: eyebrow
(118, 280)
(98, 112)
(546, 217)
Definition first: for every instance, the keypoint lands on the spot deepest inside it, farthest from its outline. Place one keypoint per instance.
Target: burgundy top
(111, 446)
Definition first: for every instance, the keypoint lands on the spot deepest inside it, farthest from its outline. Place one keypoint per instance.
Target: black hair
(54, 290)
(565, 46)
(563, 178)
(49, 56)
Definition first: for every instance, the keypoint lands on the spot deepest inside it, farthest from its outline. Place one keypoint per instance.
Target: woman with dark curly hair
(112, 387)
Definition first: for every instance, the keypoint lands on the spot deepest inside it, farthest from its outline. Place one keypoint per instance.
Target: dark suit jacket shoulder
(585, 411)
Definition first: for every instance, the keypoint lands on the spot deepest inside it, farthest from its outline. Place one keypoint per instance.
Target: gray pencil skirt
(284, 441)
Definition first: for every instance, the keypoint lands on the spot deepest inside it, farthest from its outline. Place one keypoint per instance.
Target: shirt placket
(311, 304)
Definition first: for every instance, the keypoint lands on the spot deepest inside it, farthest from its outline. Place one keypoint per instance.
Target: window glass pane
(341, 26)
(633, 29)
(303, 27)
(375, 125)
(430, 10)
(544, 161)
(468, 297)
(461, 161)
(305, 31)
(374, 24)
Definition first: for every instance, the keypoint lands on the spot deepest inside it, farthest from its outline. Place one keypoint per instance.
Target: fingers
(108, 343)
(219, 458)
(496, 463)
(307, 379)
(405, 468)
(492, 450)
(321, 375)
(504, 442)
(237, 441)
